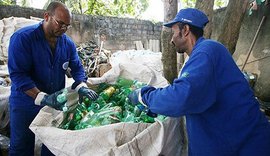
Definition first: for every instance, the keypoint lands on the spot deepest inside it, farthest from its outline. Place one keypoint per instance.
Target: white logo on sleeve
(65, 65)
(185, 74)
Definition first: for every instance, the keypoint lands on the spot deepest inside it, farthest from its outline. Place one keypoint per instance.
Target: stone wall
(119, 33)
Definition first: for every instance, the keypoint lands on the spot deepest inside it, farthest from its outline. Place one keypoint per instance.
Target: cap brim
(170, 24)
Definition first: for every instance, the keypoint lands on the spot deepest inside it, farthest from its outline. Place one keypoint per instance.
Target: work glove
(134, 97)
(136, 100)
(84, 91)
(44, 99)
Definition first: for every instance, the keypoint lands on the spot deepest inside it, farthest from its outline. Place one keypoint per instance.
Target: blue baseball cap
(190, 16)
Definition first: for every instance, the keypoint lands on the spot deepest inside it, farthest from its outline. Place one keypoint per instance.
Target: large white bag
(120, 139)
(4, 100)
(4, 107)
(7, 27)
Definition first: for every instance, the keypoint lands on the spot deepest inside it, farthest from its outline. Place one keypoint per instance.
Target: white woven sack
(121, 139)
(7, 27)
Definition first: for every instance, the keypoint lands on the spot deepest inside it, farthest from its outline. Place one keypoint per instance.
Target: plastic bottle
(80, 111)
(146, 118)
(138, 110)
(70, 123)
(87, 102)
(161, 117)
(121, 97)
(107, 93)
(112, 106)
(62, 98)
(142, 108)
(128, 116)
(138, 84)
(105, 116)
(122, 82)
(127, 83)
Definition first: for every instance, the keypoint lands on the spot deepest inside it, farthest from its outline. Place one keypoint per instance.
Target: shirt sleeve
(193, 92)
(20, 62)
(77, 70)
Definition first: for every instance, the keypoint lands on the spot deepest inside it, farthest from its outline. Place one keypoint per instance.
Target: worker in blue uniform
(38, 58)
(222, 114)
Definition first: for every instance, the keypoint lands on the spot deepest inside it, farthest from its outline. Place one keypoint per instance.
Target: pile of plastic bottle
(112, 106)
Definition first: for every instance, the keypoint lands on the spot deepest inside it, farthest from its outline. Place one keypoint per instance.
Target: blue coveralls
(222, 115)
(31, 64)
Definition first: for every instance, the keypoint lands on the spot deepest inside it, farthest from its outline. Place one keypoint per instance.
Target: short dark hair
(198, 32)
(52, 6)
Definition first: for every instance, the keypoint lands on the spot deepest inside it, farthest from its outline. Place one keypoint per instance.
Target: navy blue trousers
(22, 139)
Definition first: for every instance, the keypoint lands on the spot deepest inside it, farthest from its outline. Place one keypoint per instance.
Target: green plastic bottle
(93, 107)
(161, 117)
(98, 103)
(62, 98)
(87, 102)
(128, 116)
(127, 83)
(121, 97)
(138, 84)
(81, 111)
(112, 106)
(70, 122)
(122, 82)
(105, 116)
(145, 118)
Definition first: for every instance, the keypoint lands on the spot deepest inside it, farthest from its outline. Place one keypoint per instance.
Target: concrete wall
(120, 33)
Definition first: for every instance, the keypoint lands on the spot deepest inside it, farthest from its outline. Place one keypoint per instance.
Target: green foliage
(77, 6)
(220, 3)
(188, 3)
(25, 3)
(191, 3)
(6, 2)
(120, 8)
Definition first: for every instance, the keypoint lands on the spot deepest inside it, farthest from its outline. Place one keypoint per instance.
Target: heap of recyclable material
(95, 59)
(112, 106)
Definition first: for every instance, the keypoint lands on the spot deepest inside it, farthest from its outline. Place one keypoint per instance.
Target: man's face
(59, 22)
(178, 39)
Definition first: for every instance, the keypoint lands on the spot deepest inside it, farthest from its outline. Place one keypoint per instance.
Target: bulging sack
(129, 139)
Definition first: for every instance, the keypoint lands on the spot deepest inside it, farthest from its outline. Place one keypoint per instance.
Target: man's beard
(180, 51)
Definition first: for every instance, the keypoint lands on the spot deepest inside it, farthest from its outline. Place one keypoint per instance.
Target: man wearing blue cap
(222, 114)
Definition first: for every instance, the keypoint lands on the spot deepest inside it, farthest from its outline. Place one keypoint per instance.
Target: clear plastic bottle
(138, 84)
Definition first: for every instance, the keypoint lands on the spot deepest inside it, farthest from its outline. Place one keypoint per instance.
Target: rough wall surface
(119, 33)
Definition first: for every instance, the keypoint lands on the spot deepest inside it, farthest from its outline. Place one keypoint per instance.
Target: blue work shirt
(32, 64)
(222, 114)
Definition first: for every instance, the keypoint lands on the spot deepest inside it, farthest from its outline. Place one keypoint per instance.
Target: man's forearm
(33, 92)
